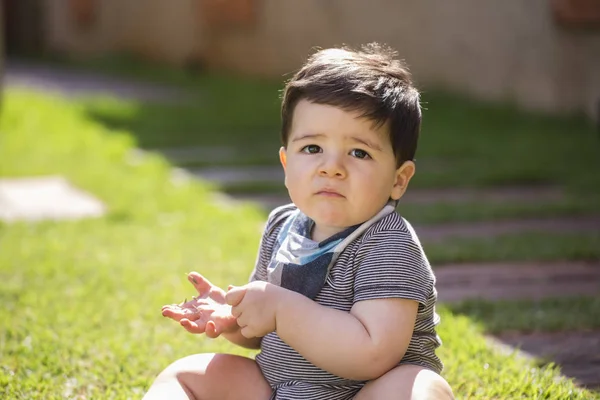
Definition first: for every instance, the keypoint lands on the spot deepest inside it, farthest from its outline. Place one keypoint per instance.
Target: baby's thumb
(235, 295)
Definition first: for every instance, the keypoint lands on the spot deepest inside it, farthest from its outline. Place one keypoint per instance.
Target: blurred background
(541, 54)
(130, 125)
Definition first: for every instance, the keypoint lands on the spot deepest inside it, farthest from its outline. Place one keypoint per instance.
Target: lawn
(81, 300)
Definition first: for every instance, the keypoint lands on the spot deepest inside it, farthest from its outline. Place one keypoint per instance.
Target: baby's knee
(431, 386)
(407, 382)
(209, 376)
(177, 380)
(195, 363)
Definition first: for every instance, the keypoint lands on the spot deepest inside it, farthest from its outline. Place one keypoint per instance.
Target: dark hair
(370, 80)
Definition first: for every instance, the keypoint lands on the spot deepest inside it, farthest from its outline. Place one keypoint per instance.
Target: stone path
(71, 83)
(436, 233)
(516, 281)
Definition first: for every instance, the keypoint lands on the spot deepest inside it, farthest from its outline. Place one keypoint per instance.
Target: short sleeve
(259, 273)
(391, 264)
(267, 241)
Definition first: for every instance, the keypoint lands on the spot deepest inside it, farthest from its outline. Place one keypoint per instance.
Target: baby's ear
(283, 156)
(403, 176)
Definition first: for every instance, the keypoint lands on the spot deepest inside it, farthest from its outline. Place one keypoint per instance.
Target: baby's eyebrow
(367, 143)
(307, 136)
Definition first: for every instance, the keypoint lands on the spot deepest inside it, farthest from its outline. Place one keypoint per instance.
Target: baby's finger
(201, 284)
(173, 313)
(192, 326)
(177, 313)
(247, 332)
(235, 296)
(211, 330)
(198, 302)
(172, 306)
(242, 320)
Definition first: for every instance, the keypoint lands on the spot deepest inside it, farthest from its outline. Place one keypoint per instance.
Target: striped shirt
(386, 261)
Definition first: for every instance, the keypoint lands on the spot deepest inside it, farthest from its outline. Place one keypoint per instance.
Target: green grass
(547, 315)
(81, 300)
(516, 247)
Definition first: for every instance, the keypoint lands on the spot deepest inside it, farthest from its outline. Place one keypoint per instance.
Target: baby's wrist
(282, 302)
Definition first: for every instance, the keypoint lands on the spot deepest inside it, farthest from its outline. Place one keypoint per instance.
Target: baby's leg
(407, 382)
(210, 376)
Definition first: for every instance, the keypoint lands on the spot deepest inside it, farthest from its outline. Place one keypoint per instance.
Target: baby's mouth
(329, 193)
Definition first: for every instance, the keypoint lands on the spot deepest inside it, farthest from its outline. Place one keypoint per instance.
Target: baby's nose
(332, 166)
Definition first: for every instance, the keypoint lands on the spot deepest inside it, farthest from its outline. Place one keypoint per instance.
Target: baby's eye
(311, 149)
(358, 153)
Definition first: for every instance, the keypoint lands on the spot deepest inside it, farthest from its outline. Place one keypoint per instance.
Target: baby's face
(339, 169)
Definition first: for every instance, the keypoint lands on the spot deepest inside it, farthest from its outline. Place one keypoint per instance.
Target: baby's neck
(320, 233)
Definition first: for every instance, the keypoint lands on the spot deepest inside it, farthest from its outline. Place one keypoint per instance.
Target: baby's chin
(333, 219)
(330, 213)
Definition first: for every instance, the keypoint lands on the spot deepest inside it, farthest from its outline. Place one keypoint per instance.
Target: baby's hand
(255, 307)
(208, 313)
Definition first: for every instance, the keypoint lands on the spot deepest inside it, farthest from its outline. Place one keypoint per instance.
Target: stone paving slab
(516, 281)
(577, 353)
(41, 198)
(440, 232)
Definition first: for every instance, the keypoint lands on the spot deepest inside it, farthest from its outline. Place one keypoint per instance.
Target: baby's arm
(391, 278)
(360, 345)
